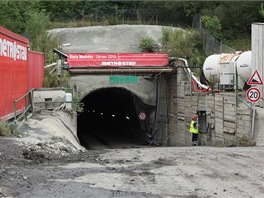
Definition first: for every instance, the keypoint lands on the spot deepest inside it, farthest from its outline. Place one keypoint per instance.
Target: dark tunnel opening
(109, 120)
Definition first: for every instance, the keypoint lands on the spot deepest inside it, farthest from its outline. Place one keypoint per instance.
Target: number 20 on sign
(253, 94)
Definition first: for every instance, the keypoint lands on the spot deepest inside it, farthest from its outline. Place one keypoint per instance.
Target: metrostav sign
(76, 60)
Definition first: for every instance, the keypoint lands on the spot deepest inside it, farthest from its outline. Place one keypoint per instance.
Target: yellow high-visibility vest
(192, 128)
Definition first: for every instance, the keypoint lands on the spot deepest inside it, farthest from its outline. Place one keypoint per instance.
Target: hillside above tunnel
(105, 39)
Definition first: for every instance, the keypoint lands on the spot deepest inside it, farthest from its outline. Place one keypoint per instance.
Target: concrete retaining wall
(226, 120)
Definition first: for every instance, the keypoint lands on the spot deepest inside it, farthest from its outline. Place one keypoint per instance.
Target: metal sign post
(253, 95)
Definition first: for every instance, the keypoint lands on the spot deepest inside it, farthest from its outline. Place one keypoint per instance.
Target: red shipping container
(13, 72)
(36, 69)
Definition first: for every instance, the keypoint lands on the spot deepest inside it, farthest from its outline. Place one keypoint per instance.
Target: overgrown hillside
(229, 22)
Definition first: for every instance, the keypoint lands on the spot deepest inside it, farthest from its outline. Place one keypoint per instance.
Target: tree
(36, 28)
(236, 18)
(212, 25)
(14, 14)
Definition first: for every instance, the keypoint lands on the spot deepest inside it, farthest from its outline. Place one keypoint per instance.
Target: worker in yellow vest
(194, 130)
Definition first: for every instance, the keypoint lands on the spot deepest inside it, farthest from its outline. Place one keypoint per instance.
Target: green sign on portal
(123, 79)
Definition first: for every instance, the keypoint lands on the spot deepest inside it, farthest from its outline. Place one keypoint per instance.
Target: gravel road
(139, 172)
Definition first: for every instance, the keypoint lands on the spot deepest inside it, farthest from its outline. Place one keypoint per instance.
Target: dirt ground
(137, 172)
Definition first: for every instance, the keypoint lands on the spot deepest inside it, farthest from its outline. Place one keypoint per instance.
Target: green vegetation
(78, 106)
(33, 18)
(183, 43)
(15, 14)
(212, 26)
(7, 129)
(147, 44)
(220, 18)
(51, 79)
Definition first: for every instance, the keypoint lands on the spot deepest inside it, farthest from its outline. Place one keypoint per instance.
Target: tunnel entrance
(110, 120)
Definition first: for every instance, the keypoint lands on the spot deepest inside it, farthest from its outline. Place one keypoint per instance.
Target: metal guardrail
(28, 97)
(28, 103)
(235, 85)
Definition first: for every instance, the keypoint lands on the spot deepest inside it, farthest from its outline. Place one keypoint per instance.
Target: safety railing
(28, 104)
(240, 88)
(236, 86)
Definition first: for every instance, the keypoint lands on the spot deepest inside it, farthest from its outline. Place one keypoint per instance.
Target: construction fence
(210, 44)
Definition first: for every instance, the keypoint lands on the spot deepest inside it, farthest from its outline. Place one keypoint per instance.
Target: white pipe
(50, 65)
(187, 69)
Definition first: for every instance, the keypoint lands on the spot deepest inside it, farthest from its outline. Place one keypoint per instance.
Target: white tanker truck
(221, 69)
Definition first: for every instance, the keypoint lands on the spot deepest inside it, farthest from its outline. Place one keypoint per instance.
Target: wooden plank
(230, 111)
(229, 102)
(181, 99)
(230, 107)
(229, 130)
(243, 112)
(229, 124)
(181, 136)
(243, 131)
(218, 119)
(218, 128)
(230, 118)
(219, 99)
(219, 140)
(180, 90)
(246, 128)
(218, 124)
(229, 136)
(180, 94)
(181, 103)
(244, 118)
(180, 110)
(181, 139)
(181, 124)
(218, 115)
(219, 110)
(242, 123)
(220, 102)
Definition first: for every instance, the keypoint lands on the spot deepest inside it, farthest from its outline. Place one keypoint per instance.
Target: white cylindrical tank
(244, 68)
(211, 67)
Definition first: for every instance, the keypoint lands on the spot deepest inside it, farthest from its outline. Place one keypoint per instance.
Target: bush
(7, 129)
(183, 44)
(212, 25)
(51, 79)
(146, 44)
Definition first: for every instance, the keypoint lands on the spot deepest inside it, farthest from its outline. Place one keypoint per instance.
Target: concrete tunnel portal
(110, 119)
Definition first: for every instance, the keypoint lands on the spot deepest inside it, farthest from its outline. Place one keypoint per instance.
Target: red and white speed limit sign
(253, 94)
(142, 116)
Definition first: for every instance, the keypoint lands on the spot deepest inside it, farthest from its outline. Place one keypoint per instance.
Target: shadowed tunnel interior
(109, 120)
